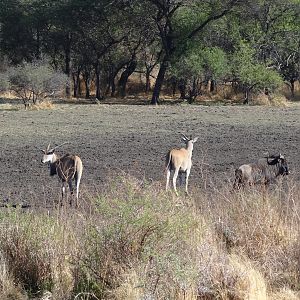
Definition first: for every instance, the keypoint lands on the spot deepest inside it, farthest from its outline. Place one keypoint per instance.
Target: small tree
(187, 72)
(198, 63)
(251, 74)
(215, 65)
(36, 80)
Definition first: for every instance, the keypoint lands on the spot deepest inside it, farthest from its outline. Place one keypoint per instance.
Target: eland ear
(195, 139)
(281, 156)
(43, 151)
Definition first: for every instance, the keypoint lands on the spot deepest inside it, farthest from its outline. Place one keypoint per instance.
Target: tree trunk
(79, 93)
(86, 78)
(124, 77)
(213, 85)
(246, 100)
(182, 88)
(113, 72)
(292, 82)
(174, 85)
(68, 64)
(159, 81)
(148, 84)
(193, 92)
(87, 88)
(76, 83)
(98, 87)
(111, 86)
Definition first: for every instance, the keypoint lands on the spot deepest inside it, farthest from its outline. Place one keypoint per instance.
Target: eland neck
(54, 158)
(190, 147)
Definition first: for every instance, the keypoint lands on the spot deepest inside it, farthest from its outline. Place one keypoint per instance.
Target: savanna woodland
(65, 61)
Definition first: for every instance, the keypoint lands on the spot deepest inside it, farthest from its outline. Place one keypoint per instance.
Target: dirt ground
(111, 138)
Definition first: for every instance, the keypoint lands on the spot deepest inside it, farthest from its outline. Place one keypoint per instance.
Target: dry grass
(134, 241)
(274, 100)
(8, 106)
(45, 104)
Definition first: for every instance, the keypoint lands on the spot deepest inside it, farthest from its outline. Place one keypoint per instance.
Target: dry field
(129, 239)
(110, 138)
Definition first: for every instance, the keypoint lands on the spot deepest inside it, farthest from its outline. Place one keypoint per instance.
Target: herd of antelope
(179, 161)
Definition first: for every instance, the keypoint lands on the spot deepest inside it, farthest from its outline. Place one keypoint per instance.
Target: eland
(68, 168)
(180, 161)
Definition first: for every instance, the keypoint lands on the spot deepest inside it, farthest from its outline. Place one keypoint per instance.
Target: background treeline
(180, 44)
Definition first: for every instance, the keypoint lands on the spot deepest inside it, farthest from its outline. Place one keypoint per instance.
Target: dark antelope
(180, 160)
(264, 171)
(68, 168)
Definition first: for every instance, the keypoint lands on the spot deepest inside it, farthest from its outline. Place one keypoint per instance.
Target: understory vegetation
(135, 241)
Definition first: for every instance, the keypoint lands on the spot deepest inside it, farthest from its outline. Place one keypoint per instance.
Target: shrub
(34, 81)
(4, 83)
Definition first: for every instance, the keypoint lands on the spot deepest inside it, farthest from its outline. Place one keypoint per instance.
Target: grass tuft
(45, 104)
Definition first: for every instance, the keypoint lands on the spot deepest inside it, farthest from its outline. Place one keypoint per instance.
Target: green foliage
(201, 62)
(251, 73)
(215, 62)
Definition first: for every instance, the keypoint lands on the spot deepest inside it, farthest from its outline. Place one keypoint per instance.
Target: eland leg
(63, 192)
(168, 178)
(71, 191)
(174, 181)
(77, 183)
(187, 180)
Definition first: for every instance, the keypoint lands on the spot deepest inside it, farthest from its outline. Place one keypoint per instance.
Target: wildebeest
(264, 171)
(68, 168)
(180, 160)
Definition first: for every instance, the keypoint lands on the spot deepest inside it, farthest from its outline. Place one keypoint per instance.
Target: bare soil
(135, 139)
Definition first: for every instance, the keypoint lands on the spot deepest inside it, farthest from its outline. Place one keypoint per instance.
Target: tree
(251, 74)
(197, 66)
(178, 23)
(32, 81)
(271, 28)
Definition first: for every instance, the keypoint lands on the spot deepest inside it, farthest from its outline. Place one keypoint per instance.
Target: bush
(4, 83)
(34, 81)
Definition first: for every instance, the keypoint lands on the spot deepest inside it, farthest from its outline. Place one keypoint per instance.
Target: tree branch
(212, 18)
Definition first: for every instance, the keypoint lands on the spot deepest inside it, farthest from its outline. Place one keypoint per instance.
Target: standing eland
(68, 168)
(180, 160)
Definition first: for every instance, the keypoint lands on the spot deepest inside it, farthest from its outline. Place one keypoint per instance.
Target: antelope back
(66, 167)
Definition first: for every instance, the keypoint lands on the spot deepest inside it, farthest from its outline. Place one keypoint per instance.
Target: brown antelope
(264, 171)
(68, 168)
(180, 160)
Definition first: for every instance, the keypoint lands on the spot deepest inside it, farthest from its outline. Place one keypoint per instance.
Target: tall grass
(134, 241)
